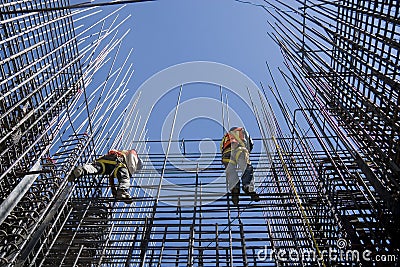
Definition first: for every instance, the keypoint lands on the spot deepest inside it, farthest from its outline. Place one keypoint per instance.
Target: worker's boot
(123, 195)
(249, 190)
(235, 195)
(254, 196)
(248, 183)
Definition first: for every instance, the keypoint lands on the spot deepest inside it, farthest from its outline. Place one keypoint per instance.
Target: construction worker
(120, 164)
(236, 146)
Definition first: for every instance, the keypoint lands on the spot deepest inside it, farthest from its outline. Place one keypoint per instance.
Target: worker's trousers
(119, 172)
(234, 159)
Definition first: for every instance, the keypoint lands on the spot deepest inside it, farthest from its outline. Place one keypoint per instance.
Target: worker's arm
(221, 145)
(248, 139)
(251, 144)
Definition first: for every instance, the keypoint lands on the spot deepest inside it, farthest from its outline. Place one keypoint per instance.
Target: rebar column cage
(39, 75)
(346, 65)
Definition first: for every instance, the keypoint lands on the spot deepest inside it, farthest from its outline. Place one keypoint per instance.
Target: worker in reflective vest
(236, 146)
(120, 164)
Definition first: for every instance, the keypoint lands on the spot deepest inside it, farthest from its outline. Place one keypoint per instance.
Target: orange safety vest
(236, 136)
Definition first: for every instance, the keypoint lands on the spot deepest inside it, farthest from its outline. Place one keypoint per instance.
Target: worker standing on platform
(120, 164)
(236, 146)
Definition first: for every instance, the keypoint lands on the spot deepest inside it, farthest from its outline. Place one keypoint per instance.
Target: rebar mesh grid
(305, 207)
(39, 72)
(203, 228)
(353, 68)
(346, 66)
(368, 100)
(42, 99)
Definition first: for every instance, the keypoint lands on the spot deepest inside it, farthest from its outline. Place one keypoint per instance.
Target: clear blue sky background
(168, 32)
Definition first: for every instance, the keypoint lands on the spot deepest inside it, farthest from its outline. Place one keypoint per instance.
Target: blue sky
(168, 32)
(165, 33)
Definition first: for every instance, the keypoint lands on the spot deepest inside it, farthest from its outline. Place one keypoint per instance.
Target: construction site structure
(327, 166)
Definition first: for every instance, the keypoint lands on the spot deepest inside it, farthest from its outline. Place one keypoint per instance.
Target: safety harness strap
(229, 160)
(103, 167)
(113, 174)
(237, 137)
(107, 161)
(235, 159)
(120, 165)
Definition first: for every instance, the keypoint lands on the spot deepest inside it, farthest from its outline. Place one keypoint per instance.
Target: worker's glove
(89, 169)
